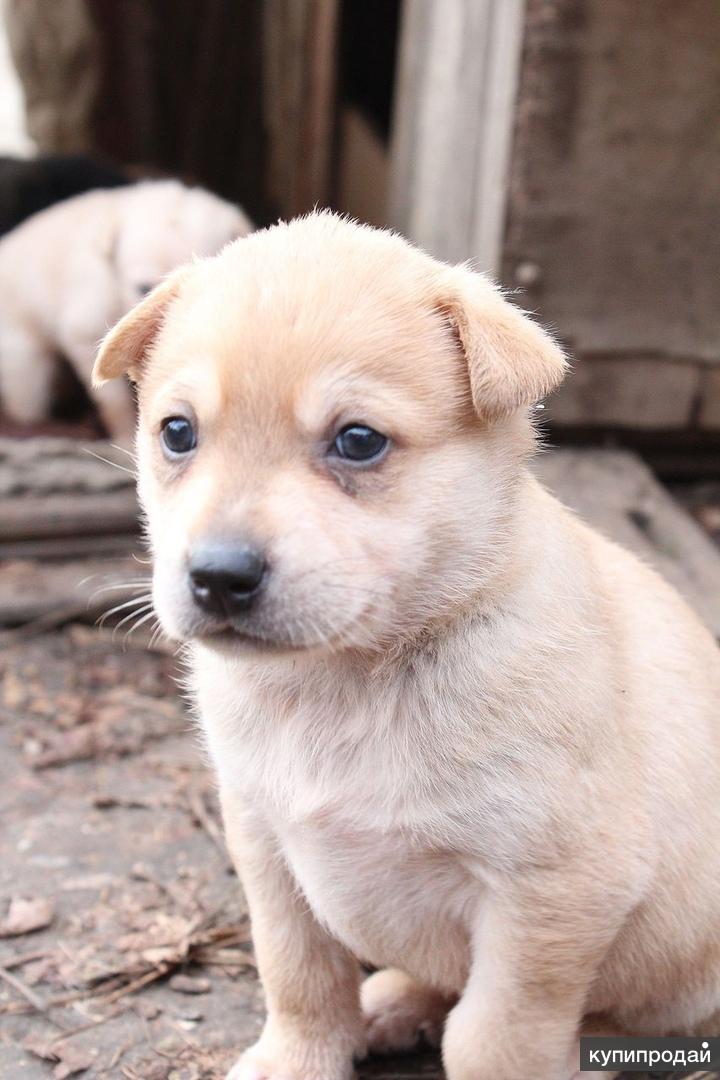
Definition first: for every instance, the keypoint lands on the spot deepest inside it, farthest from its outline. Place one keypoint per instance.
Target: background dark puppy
(28, 185)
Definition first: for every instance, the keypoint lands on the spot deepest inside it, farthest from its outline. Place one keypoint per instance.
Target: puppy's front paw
(401, 1014)
(309, 1063)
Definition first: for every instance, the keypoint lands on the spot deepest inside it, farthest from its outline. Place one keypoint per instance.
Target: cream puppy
(69, 272)
(459, 736)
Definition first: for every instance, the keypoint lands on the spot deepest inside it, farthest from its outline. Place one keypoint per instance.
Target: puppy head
(164, 224)
(332, 427)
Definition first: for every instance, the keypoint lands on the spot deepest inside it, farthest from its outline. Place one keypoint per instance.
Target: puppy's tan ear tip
(99, 380)
(99, 377)
(124, 347)
(108, 364)
(558, 362)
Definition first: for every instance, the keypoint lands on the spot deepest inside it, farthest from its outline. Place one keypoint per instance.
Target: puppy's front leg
(536, 949)
(314, 1024)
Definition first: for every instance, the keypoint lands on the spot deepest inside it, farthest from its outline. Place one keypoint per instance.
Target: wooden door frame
(458, 71)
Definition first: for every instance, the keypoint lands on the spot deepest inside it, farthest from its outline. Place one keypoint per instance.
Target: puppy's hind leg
(401, 1014)
(27, 374)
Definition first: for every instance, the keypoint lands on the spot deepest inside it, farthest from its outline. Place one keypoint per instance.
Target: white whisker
(139, 602)
(131, 615)
(107, 461)
(156, 635)
(123, 450)
(138, 624)
(121, 586)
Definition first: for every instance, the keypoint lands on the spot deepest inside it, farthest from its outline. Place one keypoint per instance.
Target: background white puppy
(70, 272)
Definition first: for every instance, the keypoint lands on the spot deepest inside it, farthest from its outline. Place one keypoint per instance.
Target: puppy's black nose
(225, 579)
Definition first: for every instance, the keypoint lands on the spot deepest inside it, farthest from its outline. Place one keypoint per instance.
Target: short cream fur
(463, 738)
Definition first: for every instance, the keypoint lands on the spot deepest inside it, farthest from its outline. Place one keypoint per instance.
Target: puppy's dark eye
(144, 288)
(357, 442)
(178, 435)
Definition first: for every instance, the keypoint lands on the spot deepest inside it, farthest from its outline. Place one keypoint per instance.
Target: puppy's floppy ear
(123, 348)
(511, 360)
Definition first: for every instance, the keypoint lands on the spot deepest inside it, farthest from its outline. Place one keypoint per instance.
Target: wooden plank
(181, 92)
(299, 88)
(58, 515)
(45, 466)
(68, 525)
(615, 492)
(363, 167)
(54, 488)
(612, 223)
(81, 589)
(57, 548)
(455, 101)
(55, 50)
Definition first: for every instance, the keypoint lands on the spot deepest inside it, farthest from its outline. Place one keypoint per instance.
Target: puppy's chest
(386, 821)
(385, 895)
(371, 839)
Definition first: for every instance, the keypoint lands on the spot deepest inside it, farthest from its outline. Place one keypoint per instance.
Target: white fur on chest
(391, 902)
